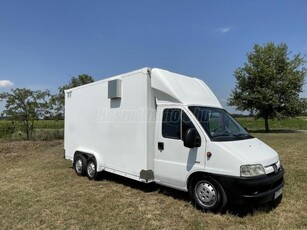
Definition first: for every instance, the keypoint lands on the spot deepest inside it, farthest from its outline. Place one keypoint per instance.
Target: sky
(44, 43)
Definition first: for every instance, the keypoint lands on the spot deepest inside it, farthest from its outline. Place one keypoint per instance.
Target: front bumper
(257, 190)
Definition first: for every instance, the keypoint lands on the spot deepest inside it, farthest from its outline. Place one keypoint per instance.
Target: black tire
(91, 169)
(208, 194)
(79, 165)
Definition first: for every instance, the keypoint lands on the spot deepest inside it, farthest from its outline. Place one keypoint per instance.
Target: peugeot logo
(275, 168)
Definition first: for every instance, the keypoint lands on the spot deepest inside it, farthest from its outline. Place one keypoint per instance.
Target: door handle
(161, 146)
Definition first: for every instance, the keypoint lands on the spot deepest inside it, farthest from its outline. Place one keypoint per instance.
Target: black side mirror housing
(189, 139)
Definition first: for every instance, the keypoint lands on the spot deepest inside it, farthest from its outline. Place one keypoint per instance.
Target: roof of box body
(171, 87)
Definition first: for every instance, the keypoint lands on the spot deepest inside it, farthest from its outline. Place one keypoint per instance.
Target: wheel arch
(88, 154)
(198, 174)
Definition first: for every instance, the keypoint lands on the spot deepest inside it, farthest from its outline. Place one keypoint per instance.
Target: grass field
(298, 123)
(40, 190)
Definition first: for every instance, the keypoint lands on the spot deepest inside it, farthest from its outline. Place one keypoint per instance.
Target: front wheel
(208, 194)
(91, 169)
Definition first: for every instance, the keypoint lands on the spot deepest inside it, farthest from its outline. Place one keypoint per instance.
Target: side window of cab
(175, 123)
(171, 123)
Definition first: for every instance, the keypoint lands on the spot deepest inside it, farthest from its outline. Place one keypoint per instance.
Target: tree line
(268, 86)
(27, 105)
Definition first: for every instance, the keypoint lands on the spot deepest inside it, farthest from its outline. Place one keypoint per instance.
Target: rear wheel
(208, 194)
(91, 169)
(79, 165)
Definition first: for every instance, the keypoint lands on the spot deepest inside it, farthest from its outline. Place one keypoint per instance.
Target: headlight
(252, 170)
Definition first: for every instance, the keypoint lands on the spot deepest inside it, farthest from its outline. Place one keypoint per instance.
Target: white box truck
(153, 125)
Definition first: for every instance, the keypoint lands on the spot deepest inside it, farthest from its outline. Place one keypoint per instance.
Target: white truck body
(121, 122)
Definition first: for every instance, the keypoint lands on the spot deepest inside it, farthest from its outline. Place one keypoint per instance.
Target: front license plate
(278, 193)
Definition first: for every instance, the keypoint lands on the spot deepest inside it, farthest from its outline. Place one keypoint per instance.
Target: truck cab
(205, 151)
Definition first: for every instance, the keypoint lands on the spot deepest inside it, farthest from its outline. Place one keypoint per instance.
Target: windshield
(218, 124)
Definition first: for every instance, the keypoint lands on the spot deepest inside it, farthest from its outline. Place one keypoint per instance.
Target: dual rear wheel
(86, 167)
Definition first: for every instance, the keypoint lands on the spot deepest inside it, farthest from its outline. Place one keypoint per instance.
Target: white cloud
(224, 30)
(6, 84)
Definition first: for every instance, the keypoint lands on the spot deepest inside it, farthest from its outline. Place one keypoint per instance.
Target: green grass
(299, 123)
(40, 190)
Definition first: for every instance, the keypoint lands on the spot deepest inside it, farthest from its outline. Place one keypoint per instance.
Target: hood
(252, 151)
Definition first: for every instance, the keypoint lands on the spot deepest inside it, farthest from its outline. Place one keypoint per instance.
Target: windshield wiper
(242, 135)
(222, 135)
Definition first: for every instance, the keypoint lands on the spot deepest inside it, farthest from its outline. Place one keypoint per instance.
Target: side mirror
(189, 139)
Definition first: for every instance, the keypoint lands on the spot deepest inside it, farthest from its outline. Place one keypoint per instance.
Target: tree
(270, 83)
(27, 106)
(59, 99)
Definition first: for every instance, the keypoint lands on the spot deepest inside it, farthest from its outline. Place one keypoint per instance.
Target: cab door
(173, 161)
